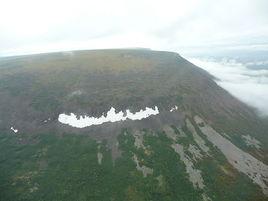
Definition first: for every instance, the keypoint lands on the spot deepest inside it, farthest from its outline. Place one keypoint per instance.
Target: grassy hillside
(47, 160)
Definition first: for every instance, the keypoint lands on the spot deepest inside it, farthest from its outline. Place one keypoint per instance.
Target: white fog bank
(250, 86)
(112, 116)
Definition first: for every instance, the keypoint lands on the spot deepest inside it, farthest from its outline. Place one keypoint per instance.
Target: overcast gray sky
(31, 26)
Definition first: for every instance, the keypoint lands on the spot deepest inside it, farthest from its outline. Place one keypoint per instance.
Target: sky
(184, 26)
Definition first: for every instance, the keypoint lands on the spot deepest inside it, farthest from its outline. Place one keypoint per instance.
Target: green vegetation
(66, 168)
(46, 161)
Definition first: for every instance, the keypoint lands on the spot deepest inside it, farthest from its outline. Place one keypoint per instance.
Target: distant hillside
(200, 144)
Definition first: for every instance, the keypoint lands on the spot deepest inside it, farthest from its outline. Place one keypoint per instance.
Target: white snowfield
(112, 116)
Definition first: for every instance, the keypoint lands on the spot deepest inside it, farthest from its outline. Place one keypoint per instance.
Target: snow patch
(47, 120)
(112, 116)
(174, 108)
(13, 129)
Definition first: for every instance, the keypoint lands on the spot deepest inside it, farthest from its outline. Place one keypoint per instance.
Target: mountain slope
(172, 155)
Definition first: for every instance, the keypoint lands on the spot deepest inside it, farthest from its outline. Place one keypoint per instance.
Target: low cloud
(248, 85)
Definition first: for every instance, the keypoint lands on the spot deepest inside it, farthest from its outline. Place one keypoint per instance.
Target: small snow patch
(174, 108)
(47, 120)
(13, 129)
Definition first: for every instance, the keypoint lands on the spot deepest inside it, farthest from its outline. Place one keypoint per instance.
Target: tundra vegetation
(172, 155)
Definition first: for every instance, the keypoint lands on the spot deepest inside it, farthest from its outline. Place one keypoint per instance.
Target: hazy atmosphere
(188, 27)
(134, 100)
